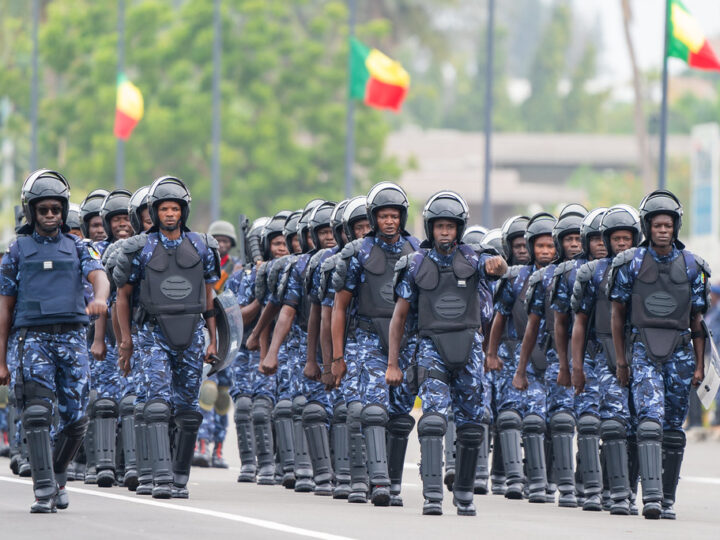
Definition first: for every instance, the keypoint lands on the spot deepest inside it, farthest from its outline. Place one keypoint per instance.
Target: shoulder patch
(91, 250)
(702, 263)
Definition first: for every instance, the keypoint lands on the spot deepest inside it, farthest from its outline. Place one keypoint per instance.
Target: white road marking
(265, 524)
(701, 480)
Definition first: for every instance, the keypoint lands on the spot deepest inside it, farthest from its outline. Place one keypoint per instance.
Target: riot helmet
(169, 188)
(303, 224)
(253, 246)
(493, 240)
(617, 218)
(355, 211)
(320, 217)
(474, 235)
(660, 201)
(445, 205)
(573, 208)
(115, 203)
(513, 228)
(565, 225)
(223, 228)
(274, 227)
(540, 224)
(73, 217)
(138, 203)
(44, 184)
(386, 195)
(90, 207)
(336, 222)
(290, 228)
(590, 227)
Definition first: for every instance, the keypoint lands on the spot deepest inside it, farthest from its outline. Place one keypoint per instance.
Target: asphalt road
(218, 506)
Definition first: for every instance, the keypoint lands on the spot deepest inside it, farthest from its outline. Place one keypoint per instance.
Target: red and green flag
(378, 80)
(128, 107)
(686, 39)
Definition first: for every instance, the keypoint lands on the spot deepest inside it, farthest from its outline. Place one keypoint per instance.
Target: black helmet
(73, 217)
(474, 235)
(320, 217)
(115, 203)
(445, 205)
(573, 208)
(493, 239)
(90, 207)
(336, 221)
(273, 228)
(511, 229)
(565, 225)
(290, 228)
(590, 227)
(540, 224)
(169, 188)
(138, 202)
(355, 211)
(660, 201)
(44, 184)
(253, 246)
(617, 218)
(303, 223)
(386, 195)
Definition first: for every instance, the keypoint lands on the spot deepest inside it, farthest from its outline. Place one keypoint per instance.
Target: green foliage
(283, 89)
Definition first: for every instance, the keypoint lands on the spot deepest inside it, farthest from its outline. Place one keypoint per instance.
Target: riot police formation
(123, 328)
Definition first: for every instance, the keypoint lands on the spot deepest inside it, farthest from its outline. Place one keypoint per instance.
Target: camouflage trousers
(588, 402)
(350, 384)
(214, 426)
(559, 398)
(174, 376)
(244, 367)
(505, 395)
(443, 391)
(284, 373)
(661, 391)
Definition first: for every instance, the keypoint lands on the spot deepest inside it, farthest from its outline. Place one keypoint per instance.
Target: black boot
(562, 428)
(129, 446)
(374, 419)
(67, 443)
(431, 429)
(106, 417)
(649, 435)
(282, 416)
(340, 440)
(534, 443)
(36, 420)
(316, 432)
(673, 449)
(157, 416)
(398, 431)
(589, 452)
(262, 426)
(187, 424)
(509, 430)
(245, 438)
(467, 445)
(359, 481)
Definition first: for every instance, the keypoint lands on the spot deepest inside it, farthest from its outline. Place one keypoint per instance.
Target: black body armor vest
(173, 291)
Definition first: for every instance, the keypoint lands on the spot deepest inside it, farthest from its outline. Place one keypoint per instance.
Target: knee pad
(208, 395)
(562, 422)
(509, 420)
(243, 408)
(106, 408)
(354, 412)
(613, 430)
(470, 434)
(298, 404)
(649, 430)
(340, 414)
(401, 425)
(674, 439)
(283, 409)
(261, 410)
(223, 401)
(127, 405)
(314, 413)
(37, 415)
(532, 423)
(588, 425)
(374, 415)
(156, 411)
(432, 425)
(188, 420)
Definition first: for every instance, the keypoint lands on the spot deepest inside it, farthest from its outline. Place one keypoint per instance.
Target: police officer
(41, 299)
(73, 220)
(594, 368)
(175, 270)
(91, 223)
(365, 271)
(224, 233)
(585, 404)
(666, 288)
(442, 284)
(355, 226)
(559, 404)
(506, 333)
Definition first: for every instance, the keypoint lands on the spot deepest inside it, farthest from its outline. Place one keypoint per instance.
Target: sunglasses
(45, 210)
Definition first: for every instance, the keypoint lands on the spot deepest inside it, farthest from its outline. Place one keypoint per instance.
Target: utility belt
(59, 328)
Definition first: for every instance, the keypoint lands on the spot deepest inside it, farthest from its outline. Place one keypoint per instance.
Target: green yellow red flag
(128, 107)
(686, 39)
(378, 80)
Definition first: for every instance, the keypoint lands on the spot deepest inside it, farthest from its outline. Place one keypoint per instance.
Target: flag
(686, 39)
(128, 107)
(378, 80)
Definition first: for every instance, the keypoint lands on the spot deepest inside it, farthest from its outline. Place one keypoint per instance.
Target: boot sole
(651, 513)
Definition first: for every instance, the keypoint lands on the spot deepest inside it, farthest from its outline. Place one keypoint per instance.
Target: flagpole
(34, 87)
(487, 216)
(350, 115)
(664, 107)
(215, 173)
(120, 144)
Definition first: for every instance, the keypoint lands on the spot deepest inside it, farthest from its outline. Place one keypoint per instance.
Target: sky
(647, 30)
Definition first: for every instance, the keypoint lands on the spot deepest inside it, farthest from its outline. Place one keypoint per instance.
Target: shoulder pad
(536, 277)
(312, 265)
(329, 263)
(214, 247)
(134, 243)
(624, 257)
(261, 282)
(282, 284)
(211, 241)
(702, 263)
(401, 267)
(513, 271)
(563, 267)
(586, 271)
(351, 249)
(111, 249)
